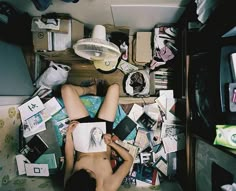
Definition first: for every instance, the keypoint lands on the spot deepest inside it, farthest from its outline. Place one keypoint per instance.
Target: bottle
(124, 51)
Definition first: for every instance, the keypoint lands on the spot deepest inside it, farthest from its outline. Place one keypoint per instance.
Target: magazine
(145, 175)
(30, 108)
(34, 148)
(88, 137)
(36, 123)
(52, 106)
(29, 131)
(38, 119)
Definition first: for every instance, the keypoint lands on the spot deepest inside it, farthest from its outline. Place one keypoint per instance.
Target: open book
(88, 137)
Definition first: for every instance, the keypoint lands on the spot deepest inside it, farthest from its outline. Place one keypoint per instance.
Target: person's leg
(110, 103)
(74, 106)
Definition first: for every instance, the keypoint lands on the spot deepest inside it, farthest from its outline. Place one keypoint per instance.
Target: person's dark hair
(80, 181)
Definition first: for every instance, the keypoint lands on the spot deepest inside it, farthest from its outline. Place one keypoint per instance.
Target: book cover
(174, 110)
(124, 128)
(49, 159)
(154, 137)
(38, 119)
(161, 165)
(141, 139)
(171, 129)
(20, 162)
(62, 126)
(30, 108)
(28, 130)
(36, 169)
(34, 148)
(174, 143)
(145, 121)
(88, 137)
(135, 112)
(178, 109)
(145, 174)
(132, 149)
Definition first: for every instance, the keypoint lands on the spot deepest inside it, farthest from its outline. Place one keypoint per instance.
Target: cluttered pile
(34, 115)
(153, 134)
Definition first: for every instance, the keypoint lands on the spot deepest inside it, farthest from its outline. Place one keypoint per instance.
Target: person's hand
(107, 139)
(71, 127)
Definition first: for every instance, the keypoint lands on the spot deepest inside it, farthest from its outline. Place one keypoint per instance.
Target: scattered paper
(174, 143)
(167, 93)
(141, 139)
(170, 102)
(170, 129)
(160, 153)
(135, 112)
(161, 165)
(29, 130)
(153, 111)
(52, 106)
(126, 67)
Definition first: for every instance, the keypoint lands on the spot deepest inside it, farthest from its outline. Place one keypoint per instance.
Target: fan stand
(99, 32)
(106, 67)
(102, 53)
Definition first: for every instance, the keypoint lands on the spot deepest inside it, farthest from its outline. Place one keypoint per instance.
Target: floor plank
(85, 71)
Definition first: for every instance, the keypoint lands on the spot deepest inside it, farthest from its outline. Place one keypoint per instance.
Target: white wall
(140, 14)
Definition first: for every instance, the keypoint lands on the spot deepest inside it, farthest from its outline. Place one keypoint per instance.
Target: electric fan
(103, 53)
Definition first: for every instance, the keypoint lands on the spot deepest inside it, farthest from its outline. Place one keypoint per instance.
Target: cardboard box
(40, 40)
(43, 40)
(142, 50)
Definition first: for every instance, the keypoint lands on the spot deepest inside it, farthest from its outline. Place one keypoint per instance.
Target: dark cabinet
(206, 59)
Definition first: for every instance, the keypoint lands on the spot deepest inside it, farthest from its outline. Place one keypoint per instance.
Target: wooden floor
(87, 71)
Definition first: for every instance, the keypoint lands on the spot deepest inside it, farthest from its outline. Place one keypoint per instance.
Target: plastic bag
(137, 83)
(56, 74)
(229, 187)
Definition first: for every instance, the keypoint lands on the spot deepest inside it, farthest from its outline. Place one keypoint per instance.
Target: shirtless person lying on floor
(92, 171)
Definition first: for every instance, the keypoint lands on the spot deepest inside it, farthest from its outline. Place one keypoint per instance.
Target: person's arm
(124, 168)
(69, 152)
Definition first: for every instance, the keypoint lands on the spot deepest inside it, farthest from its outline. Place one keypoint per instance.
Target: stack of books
(163, 78)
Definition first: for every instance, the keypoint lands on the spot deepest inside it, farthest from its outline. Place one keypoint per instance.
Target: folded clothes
(165, 54)
(164, 45)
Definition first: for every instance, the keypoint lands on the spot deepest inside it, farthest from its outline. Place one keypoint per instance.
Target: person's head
(95, 136)
(81, 180)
